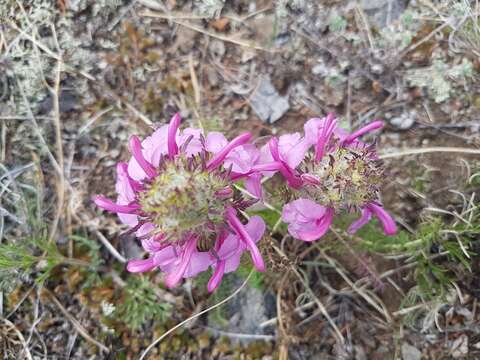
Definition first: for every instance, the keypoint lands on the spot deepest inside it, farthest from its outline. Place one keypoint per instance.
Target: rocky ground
(78, 77)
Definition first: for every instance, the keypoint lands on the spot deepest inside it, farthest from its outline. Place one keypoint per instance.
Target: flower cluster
(329, 170)
(177, 193)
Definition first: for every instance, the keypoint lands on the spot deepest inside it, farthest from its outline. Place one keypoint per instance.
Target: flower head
(331, 171)
(177, 194)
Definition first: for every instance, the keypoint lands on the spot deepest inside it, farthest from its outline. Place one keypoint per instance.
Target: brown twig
(80, 329)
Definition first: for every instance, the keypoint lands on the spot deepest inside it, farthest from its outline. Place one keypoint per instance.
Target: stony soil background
(78, 77)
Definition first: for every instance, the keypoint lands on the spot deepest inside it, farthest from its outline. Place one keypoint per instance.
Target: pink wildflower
(342, 173)
(176, 193)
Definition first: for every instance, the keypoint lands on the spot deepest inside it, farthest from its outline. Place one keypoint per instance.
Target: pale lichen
(439, 77)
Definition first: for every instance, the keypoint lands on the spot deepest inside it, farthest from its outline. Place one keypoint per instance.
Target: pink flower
(306, 219)
(176, 193)
(185, 262)
(231, 249)
(341, 173)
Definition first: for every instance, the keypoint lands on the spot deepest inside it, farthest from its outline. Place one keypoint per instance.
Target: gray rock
(130, 247)
(404, 121)
(246, 311)
(410, 352)
(267, 103)
(217, 48)
(459, 348)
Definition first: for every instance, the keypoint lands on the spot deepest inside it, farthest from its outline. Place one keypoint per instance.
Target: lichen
(439, 76)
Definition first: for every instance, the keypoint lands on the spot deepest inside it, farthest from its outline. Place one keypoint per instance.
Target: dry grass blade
(142, 116)
(209, 33)
(110, 247)
(427, 150)
(36, 128)
(366, 26)
(94, 118)
(424, 40)
(320, 305)
(28, 355)
(240, 335)
(372, 299)
(81, 330)
(228, 298)
(59, 144)
(195, 84)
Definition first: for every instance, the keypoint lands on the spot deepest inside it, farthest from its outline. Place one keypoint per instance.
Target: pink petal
(218, 159)
(389, 227)
(363, 220)
(266, 158)
(145, 229)
(215, 142)
(172, 135)
(195, 145)
(230, 245)
(324, 136)
(306, 219)
(292, 149)
(256, 228)
(173, 278)
(287, 172)
(165, 257)
(217, 276)
(135, 266)
(312, 128)
(370, 127)
(123, 185)
(137, 152)
(240, 230)
(302, 210)
(310, 179)
(233, 262)
(225, 193)
(152, 245)
(109, 205)
(156, 145)
(242, 158)
(253, 185)
(199, 262)
(128, 219)
(314, 232)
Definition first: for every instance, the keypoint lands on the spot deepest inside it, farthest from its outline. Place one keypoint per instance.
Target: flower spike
(343, 174)
(174, 194)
